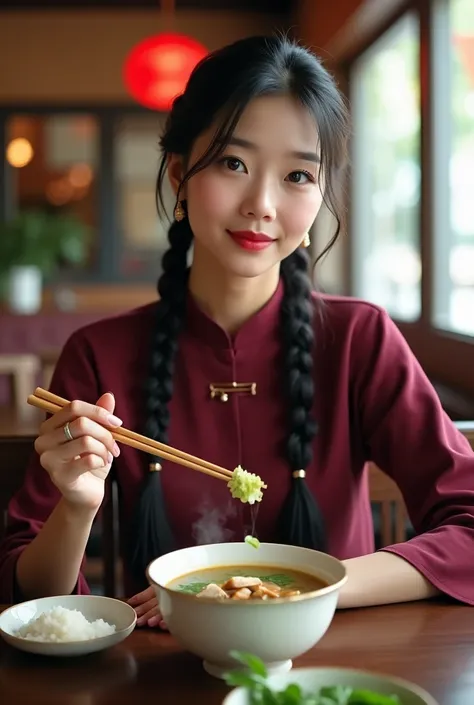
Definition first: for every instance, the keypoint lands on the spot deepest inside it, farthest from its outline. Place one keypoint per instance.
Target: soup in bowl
(275, 601)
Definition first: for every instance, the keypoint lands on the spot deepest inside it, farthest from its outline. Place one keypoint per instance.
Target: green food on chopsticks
(246, 486)
(254, 680)
(252, 541)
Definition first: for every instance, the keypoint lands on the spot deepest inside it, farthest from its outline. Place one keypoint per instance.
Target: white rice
(60, 625)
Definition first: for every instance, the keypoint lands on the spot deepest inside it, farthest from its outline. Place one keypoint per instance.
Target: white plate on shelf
(92, 607)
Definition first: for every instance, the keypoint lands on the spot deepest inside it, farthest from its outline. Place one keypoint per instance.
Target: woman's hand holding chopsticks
(77, 450)
(242, 484)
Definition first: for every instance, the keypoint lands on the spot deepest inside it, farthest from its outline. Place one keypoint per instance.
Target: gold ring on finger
(67, 432)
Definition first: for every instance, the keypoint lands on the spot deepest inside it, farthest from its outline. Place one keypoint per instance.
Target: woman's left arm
(383, 578)
(410, 437)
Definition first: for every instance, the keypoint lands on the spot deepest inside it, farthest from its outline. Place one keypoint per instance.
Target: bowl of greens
(318, 686)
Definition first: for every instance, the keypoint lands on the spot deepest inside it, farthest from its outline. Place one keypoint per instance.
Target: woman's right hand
(80, 466)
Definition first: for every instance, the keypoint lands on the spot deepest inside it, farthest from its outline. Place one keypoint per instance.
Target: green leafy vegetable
(252, 541)
(246, 486)
(281, 580)
(192, 588)
(254, 679)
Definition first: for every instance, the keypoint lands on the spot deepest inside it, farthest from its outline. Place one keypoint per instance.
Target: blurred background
(84, 89)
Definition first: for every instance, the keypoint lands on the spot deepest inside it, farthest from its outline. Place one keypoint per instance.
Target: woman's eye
(300, 177)
(233, 163)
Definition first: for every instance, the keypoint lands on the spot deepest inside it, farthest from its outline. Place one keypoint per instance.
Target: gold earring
(306, 240)
(179, 212)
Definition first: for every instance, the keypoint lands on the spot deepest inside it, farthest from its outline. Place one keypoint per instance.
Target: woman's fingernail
(110, 457)
(114, 420)
(141, 621)
(116, 450)
(162, 625)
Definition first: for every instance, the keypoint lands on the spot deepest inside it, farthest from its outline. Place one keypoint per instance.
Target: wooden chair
(23, 370)
(15, 453)
(385, 493)
(48, 359)
(467, 429)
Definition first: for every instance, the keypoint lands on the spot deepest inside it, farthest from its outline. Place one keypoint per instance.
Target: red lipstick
(249, 240)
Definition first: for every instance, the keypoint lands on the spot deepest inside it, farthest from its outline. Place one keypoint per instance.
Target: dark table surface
(431, 644)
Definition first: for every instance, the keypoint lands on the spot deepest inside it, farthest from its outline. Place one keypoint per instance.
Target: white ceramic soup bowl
(276, 630)
(311, 680)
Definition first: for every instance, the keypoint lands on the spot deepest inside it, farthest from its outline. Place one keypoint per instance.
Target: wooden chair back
(385, 493)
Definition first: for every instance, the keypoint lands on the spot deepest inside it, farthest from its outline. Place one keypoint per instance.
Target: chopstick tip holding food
(243, 485)
(246, 486)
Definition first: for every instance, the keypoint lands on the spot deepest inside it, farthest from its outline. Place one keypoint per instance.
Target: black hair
(218, 91)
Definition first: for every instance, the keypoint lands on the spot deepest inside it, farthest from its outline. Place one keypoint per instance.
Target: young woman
(252, 148)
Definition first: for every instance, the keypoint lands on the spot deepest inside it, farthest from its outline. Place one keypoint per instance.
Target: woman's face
(253, 206)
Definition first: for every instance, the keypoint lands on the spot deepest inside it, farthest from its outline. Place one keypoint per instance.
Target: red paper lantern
(157, 69)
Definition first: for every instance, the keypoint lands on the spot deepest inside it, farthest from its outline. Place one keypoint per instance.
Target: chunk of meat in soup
(213, 591)
(242, 593)
(246, 588)
(264, 593)
(241, 582)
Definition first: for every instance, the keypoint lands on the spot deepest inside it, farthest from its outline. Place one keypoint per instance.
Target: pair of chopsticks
(51, 403)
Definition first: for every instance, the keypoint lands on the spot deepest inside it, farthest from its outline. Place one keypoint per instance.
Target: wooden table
(24, 370)
(431, 644)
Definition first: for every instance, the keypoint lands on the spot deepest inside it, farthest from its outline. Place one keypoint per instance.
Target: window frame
(359, 184)
(436, 348)
(108, 269)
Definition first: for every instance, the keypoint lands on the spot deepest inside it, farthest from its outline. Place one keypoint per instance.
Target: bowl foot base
(217, 670)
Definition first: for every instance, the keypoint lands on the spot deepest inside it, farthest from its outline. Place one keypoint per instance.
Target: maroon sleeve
(410, 437)
(74, 378)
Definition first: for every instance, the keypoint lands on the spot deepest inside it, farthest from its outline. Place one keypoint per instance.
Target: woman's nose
(259, 204)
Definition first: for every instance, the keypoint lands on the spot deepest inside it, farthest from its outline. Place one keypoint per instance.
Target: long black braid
(151, 534)
(171, 309)
(301, 522)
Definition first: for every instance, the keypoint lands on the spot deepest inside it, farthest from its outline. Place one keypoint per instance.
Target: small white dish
(93, 607)
(275, 630)
(313, 679)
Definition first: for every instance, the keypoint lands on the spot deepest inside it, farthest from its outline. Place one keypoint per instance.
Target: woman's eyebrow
(246, 144)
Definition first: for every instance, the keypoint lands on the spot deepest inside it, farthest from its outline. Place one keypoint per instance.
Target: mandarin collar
(261, 327)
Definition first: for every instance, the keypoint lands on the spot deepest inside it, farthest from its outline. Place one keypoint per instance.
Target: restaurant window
(386, 171)
(52, 161)
(143, 234)
(453, 117)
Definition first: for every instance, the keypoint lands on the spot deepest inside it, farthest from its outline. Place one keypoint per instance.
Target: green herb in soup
(254, 680)
(249, 582)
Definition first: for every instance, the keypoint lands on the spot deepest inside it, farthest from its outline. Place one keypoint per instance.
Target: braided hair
(301, 522)
(221, 86)
(151, 534)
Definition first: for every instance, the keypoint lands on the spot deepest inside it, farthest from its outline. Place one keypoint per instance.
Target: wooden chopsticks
(51, 403)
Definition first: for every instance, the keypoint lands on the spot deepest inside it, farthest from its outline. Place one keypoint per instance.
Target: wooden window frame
(444, 355)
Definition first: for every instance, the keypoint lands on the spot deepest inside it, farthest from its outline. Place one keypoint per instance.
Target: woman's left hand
(145, 605)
